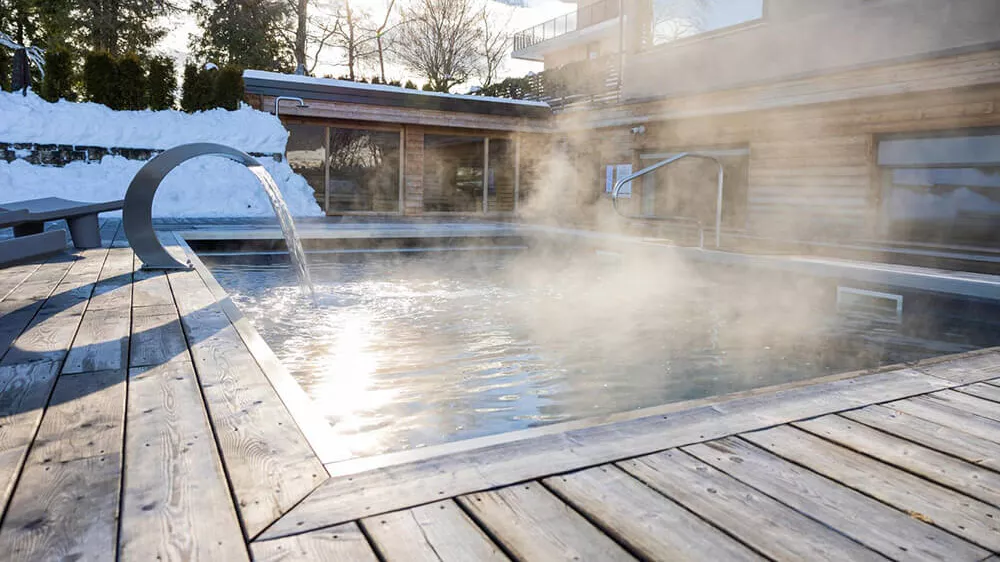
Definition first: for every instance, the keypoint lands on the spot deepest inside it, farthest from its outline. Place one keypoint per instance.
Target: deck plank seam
(932, 522)
(856, 451)
(487, 532)
(963, 390)
(61, 362)
(124, 434)
(373, 544)
(211, 424)
(23, 279)
(603, 527)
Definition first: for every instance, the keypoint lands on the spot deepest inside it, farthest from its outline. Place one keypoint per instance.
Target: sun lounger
(18, 249)
(81, 217)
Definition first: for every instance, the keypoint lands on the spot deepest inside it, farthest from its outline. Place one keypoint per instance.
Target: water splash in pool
(298, 255)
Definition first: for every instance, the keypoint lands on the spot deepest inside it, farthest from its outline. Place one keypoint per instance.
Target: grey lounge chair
(81, 217)
(22, 248)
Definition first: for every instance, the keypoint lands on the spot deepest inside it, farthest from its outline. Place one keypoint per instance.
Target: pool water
(409, 350)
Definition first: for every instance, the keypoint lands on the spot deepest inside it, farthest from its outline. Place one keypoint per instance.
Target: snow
(296, 79)
(204, 187)
(30, 119)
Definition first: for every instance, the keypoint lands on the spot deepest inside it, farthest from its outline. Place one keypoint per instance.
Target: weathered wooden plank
(176, 503)
(968, 518)
(15, 315)
(966, 370)
(380, 490)
(533, 524)
(432, 532)
(941, 413)
(101, 342)
(156, 339)
(270, 464)
(953, 441)
(981, 390)
(980, 483)
(12, 277)
(634, 514)
(65, 505)
(343, 543)
(870, 522)
(761, 522)
(966, 403)
(114, 286)
(24, 390)
(150, 288)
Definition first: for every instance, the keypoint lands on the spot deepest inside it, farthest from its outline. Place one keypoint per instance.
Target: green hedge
(161, 83)
(227, 91)
(99, 78)
(130, 84)
(197, 94)
(60, 75)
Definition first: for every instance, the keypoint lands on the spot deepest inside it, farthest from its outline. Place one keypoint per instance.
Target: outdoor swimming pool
(405, 350)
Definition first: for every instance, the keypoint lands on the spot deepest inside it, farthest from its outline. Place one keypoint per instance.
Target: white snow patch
(204, 187)
(30, 119)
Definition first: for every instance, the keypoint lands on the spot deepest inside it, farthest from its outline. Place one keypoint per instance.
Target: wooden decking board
(955, 442)
(862, 518)
(763, 523)
(12, 277)
(176, 502)
(982, 390)
(941, 413)
(966, 370)
(269, 462)
(533, 524)
(343, 543)
(653, 526)
(963, 516)
(65, 505)
(101, 342)
(432, 532)
(150, 288)
(348, 497)
(24, 391)
(156, 339)
(977, 482)
(967, 403)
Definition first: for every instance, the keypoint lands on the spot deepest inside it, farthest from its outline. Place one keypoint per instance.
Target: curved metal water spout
(649, 169)
(137, 213)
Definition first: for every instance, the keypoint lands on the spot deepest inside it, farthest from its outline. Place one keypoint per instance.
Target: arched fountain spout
(137, 213)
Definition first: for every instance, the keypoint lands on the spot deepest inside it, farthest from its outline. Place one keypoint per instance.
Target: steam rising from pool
(408, 351)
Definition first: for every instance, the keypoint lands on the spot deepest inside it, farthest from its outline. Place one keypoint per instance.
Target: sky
(182, 25)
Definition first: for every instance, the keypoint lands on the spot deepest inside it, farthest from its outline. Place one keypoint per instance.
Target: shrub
(5, 68)
(410, 85)
(130, 83)
(427, 88)
(99, 77)
(396, 83)
(162, 83)
(196, 94)
(228, 88)
(59, 75)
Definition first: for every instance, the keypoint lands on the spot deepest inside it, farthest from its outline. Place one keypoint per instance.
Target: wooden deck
(140, 420)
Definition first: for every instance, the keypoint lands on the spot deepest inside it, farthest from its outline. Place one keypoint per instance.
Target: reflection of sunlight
(346, 390)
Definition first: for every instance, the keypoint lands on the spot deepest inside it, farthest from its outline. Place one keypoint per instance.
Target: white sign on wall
(615, 172)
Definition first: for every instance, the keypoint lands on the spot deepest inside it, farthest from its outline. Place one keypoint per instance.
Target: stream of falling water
(295, 251)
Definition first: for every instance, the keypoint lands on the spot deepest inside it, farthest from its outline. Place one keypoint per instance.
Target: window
(676, 19)
(689, 187)
(457, 177)
(363, 170)
(943, 189)
(305, 153)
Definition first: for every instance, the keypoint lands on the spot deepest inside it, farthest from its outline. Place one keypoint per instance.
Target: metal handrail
(649, 169)
(580, 18)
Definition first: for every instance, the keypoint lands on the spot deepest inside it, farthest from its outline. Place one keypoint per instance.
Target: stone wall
(62, 154)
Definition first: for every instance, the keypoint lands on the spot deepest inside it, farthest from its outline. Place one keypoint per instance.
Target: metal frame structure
(662, 163)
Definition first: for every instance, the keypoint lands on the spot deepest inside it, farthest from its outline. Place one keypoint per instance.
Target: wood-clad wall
(812, 168)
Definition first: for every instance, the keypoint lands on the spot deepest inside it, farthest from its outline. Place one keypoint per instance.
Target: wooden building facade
(372, 149)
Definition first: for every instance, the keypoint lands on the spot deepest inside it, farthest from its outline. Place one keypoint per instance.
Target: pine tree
(242, 33)
(120, 26)
(162, 82)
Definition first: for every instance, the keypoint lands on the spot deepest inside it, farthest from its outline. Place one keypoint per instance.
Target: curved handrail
(649, 169)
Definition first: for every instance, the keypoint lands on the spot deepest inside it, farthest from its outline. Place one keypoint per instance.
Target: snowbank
(203, 187)
(32, 119)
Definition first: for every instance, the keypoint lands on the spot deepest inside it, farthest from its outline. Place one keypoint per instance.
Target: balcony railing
(592, 81)
(584, 16)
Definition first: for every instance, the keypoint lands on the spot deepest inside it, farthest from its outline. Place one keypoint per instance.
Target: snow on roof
(362, 87)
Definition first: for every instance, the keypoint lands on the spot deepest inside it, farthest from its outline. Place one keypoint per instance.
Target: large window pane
(676, 19)
(364, 170)
(305, 151)
(689, 188)
(501, 178)
(453, 173)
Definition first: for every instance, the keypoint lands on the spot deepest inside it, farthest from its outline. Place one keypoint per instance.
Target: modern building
(833, 120)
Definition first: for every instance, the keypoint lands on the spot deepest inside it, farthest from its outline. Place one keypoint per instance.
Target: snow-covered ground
(204, 187)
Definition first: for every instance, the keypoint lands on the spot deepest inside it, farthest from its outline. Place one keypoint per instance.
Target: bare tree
(441, 41)
(315, 22)
(495, 43)
(381, 39)
(676, 19)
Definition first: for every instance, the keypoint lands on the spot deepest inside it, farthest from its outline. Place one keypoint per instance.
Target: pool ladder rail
(616, 194)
